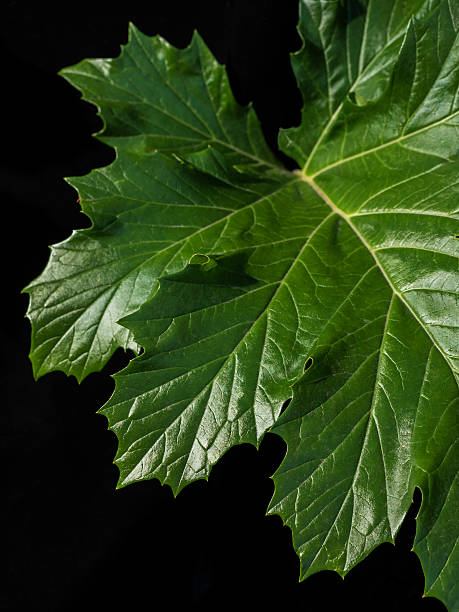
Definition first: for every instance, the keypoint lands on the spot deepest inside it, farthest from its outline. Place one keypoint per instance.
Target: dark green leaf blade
(155, 97)
(416, 152)
(220, 361)
(151, 214)
(349, 49)
(388, 166)
(350, 263)
(437, 454)
(350, 471)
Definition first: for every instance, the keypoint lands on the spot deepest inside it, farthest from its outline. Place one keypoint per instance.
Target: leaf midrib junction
(348, 219)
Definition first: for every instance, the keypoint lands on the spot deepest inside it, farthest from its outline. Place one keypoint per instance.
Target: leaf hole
(308, 364)
(285, 404)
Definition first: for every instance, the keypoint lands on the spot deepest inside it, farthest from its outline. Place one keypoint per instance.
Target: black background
(70, 539)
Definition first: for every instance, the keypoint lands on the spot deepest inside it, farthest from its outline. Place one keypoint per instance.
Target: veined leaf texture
(245, 284)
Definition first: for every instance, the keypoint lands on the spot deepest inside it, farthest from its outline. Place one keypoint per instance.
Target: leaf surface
(151, 214)
(154, 99)
(377, 413)
(246, 284)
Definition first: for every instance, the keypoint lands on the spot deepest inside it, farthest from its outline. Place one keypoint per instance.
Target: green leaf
(373, 418)
(219, 359)
(174, 98)
(377, 413)
(151, 214)
(349, 48)
(154, 97)
(235, 276)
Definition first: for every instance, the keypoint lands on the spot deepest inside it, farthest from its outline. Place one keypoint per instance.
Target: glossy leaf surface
(235, 276)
